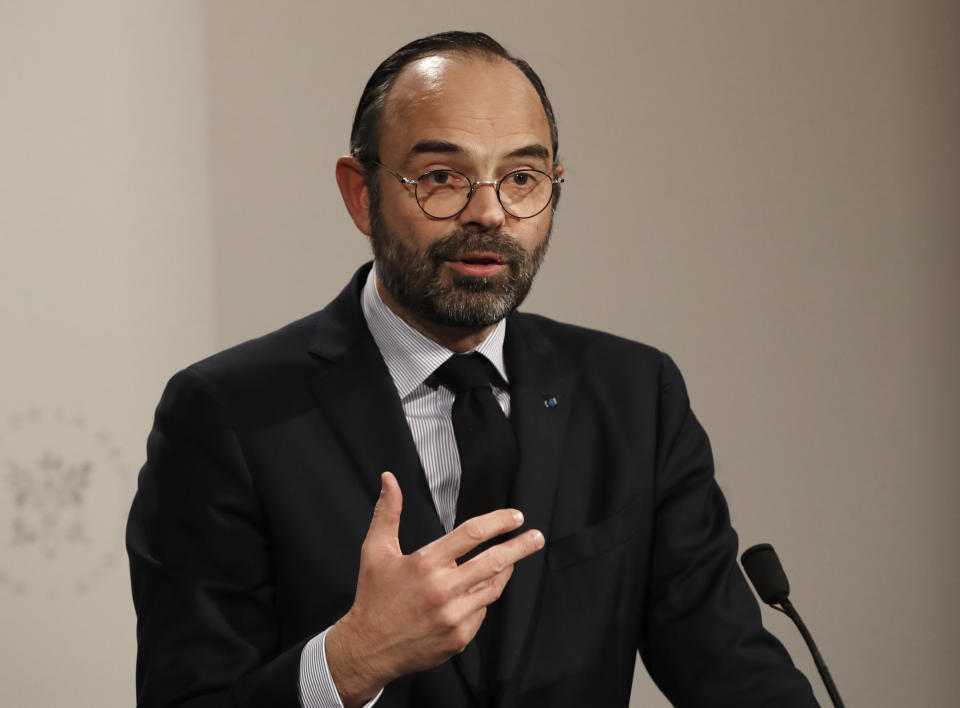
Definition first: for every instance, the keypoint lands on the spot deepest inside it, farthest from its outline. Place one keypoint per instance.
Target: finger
(472, 532)
(483, 593)
(497, 559)
(385, 524)
(472, 622)
(496, 583)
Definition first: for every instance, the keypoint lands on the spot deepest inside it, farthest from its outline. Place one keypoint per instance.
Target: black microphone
(768, 579)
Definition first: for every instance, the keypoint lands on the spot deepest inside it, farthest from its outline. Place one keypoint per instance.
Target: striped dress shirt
(411, 359)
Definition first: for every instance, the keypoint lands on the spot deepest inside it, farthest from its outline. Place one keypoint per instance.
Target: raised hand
(412, 612)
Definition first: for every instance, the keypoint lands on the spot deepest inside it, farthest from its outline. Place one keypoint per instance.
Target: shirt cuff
(316, 688)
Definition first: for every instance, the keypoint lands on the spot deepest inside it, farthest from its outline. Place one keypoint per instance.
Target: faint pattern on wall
(64, 492)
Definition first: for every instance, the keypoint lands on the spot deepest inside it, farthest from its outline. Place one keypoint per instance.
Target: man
(258, 575)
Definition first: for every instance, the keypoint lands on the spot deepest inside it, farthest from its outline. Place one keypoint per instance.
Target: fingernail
(538, 539)
(517, 516)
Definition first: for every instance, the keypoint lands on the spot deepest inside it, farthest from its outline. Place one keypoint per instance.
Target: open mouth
(483, 264)
(483, 259)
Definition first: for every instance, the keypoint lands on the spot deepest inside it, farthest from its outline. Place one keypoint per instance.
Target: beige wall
(764, 189)
(105, 289)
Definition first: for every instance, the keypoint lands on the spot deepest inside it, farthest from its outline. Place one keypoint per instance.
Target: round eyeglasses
(443, 194)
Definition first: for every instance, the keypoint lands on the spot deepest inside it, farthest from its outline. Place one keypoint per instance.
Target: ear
(353, 189)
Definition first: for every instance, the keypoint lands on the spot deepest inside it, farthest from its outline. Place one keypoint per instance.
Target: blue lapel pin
(550, 402)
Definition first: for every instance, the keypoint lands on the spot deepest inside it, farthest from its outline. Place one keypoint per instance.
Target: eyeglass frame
(495, 183)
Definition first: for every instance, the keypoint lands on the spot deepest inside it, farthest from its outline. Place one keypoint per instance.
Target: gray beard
(420, 282)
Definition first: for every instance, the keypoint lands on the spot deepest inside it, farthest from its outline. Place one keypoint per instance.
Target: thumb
(385, 525)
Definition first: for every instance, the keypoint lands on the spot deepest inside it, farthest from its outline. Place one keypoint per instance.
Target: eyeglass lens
(444, 193)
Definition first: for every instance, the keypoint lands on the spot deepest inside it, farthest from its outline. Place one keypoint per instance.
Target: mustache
(454, 245)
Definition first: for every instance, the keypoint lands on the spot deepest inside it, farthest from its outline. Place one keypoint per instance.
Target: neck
(456, 339)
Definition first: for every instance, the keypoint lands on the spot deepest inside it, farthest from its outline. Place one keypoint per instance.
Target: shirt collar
(411, 357)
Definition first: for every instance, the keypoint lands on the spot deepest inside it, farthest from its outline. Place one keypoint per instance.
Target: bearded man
(542, 498)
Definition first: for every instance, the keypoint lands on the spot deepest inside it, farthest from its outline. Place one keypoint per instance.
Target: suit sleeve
(203, 588)
(703, 642)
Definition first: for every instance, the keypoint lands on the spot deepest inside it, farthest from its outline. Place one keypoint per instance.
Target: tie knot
(462, 372)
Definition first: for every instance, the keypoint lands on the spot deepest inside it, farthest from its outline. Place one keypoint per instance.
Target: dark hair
(365, 134)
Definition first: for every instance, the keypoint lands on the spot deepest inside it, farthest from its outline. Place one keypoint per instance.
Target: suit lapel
(541, 382)
(360, 401)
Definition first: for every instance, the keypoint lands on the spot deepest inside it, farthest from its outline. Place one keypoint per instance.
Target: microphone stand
(786, 607)
(768, 579)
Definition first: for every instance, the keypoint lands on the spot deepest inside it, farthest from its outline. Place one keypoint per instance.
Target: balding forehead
(424, 79)
(427, 71)
(431, 67)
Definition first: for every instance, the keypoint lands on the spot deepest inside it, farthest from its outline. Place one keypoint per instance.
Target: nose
(484, 210)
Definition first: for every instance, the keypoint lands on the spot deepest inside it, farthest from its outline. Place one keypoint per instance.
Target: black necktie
(485, 440)
(488, 461)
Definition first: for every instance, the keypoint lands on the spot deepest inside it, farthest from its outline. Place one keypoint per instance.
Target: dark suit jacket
(261, 475)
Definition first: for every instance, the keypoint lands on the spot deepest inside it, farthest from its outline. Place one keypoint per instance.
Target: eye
(439, 177)
(523, 180)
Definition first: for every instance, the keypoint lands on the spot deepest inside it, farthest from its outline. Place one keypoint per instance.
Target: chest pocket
(599, 538)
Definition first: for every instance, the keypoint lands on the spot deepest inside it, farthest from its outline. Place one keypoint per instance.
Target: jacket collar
(542, 395)
(355, 390)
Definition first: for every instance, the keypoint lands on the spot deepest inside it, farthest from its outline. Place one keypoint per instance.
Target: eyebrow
(446, 147)
(435, 146)
(532, 150)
